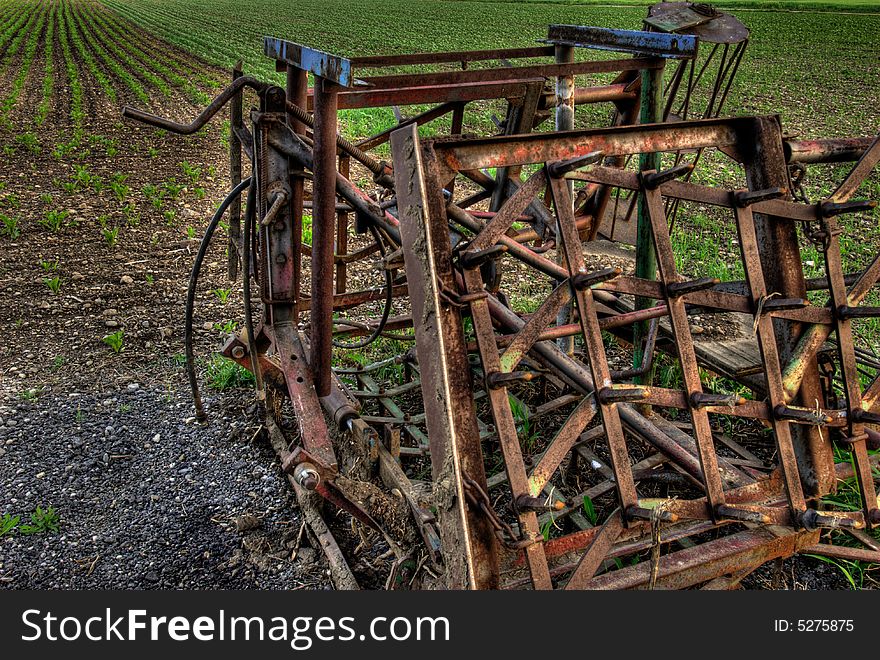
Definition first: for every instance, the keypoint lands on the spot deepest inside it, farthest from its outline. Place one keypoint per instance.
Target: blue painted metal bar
(317, 62)
(656, 44)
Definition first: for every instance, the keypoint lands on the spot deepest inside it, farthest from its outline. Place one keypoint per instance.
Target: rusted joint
(460, 299)
(653, 180)
(478, 498)
(313, 471)
(744, 198)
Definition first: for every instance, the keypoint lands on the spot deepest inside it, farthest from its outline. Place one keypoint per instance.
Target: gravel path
(147, 498)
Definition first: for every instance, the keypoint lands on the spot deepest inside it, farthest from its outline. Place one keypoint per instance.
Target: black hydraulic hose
(191, 296)
(249, 220)
(213, 108)
(386, 310)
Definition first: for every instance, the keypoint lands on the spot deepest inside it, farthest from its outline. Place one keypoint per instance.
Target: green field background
(820, 70)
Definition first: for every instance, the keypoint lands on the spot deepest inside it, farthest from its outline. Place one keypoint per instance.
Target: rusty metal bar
(449, 407)
(656, 217)
(323, 225)
(751, 254)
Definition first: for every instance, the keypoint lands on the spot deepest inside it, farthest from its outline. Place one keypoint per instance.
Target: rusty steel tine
(508, 438)
(858, 174)
(653, 180)
(743, 514)
(829, 209)
(496, 379)
(749, 197)
(676, 289)
(571, 247)
(684, 344)
(770, 357)
(510, 211)
(563, 167)
(847, 312)
(561, 444)
(537, 323)
(849, 371)
(597, 551)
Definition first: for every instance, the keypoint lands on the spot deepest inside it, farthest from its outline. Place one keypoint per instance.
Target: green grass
(224, 374)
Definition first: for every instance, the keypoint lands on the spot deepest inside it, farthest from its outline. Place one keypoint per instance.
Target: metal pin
(306, 475)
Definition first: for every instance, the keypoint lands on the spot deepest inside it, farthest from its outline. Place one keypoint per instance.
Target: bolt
(307, 476)
(280, 259)
(238, 352)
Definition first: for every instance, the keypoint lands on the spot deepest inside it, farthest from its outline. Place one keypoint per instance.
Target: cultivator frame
(444, 256)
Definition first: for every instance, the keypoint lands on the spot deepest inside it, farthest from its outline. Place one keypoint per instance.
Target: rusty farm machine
(393, 348)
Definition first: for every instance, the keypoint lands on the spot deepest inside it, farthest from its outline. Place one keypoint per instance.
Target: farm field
(100, 219)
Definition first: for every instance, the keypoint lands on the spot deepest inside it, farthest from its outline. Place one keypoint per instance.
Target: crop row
(30, 50)
(68, 53)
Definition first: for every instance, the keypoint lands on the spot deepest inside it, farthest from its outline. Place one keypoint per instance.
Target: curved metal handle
(213, 108)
